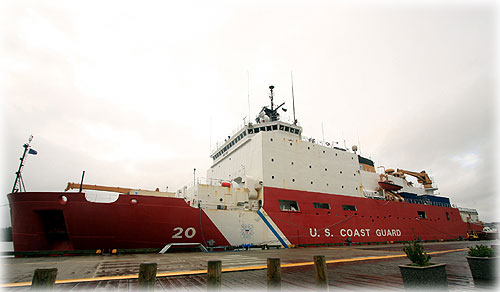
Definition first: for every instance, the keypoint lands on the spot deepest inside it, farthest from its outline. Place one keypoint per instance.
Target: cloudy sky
(137, 93)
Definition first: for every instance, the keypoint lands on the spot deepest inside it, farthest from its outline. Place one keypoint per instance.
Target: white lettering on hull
(361, 232)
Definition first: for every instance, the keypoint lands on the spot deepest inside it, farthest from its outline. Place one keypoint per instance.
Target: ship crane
(422, 177)
(120, 190)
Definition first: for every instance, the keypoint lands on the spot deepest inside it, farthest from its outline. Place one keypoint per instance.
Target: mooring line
(234, 269)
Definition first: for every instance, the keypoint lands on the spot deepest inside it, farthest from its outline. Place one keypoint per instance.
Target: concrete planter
(483, 267)
(428, 277)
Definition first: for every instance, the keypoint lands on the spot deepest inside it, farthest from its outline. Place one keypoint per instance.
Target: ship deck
(349, 267)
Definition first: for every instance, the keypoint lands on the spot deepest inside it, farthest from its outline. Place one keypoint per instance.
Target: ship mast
(271, 96)
(19, 178)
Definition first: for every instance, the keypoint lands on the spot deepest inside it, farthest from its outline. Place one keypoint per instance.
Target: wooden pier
(353, 267)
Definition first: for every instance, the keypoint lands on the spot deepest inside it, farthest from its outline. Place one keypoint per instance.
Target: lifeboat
(389, 186)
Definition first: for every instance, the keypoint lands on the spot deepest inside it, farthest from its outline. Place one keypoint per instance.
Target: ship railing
(206, 181)
(332, 144)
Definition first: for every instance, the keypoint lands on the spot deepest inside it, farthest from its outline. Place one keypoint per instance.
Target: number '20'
(189, 233)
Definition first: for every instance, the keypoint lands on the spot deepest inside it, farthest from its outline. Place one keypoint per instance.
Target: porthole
(220, 200)
(335, 154)
(310, 166)
(272, 159)
(326, 184)
(311, 182)
(293, 180)
(133, 201)
(326, 169)
(290, 144)
(292, 162)
(308, 148)
(272, 176)
(341, 172)
(271, 139)
(342, 186)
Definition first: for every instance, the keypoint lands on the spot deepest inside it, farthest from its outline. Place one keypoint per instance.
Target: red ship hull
(44, 221)
(372, 221)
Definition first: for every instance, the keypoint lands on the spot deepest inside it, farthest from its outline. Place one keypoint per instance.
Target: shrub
(415, 252)
(481, 251)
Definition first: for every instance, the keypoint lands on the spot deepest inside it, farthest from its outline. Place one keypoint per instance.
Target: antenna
(293, 101)
(271, 96)
(322, 132)
(248, 90)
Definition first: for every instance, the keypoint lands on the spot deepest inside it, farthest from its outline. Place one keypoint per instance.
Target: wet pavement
(365, 267)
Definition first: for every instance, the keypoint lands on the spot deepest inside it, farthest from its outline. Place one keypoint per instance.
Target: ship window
(296, 131)
(256, 130)
(349, 207)
(287, 205)
(321, 205)
(268, 128)
(281, 127)
(262, 128)
(447, 216)
(421, 214)
(287, 129)
(275, 127)
(245, 133)
(250, 131)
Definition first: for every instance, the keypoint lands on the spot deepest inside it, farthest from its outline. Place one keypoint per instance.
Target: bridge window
(287, 205)
(321, 205)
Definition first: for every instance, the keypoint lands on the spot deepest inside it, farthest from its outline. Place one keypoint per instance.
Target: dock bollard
(147, 276)
(44, 279)
(273, 274)
(214, 274)
(320, 270)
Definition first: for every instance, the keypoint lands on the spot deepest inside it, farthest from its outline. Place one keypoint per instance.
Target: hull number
(190, 232)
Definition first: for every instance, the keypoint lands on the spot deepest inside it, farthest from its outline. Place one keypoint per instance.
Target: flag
(32, 151)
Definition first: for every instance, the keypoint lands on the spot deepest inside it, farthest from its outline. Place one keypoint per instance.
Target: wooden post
(147, 276)
(44, 279)
(321, 275)
(273, 274)
(214, 273)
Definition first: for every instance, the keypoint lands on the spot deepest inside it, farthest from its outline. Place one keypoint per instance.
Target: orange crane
(422, 177)
(100, 188)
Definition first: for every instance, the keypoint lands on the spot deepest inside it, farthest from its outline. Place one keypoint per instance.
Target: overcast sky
(137, 93)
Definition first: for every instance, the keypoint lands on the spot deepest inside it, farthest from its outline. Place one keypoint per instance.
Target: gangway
(168, 246)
